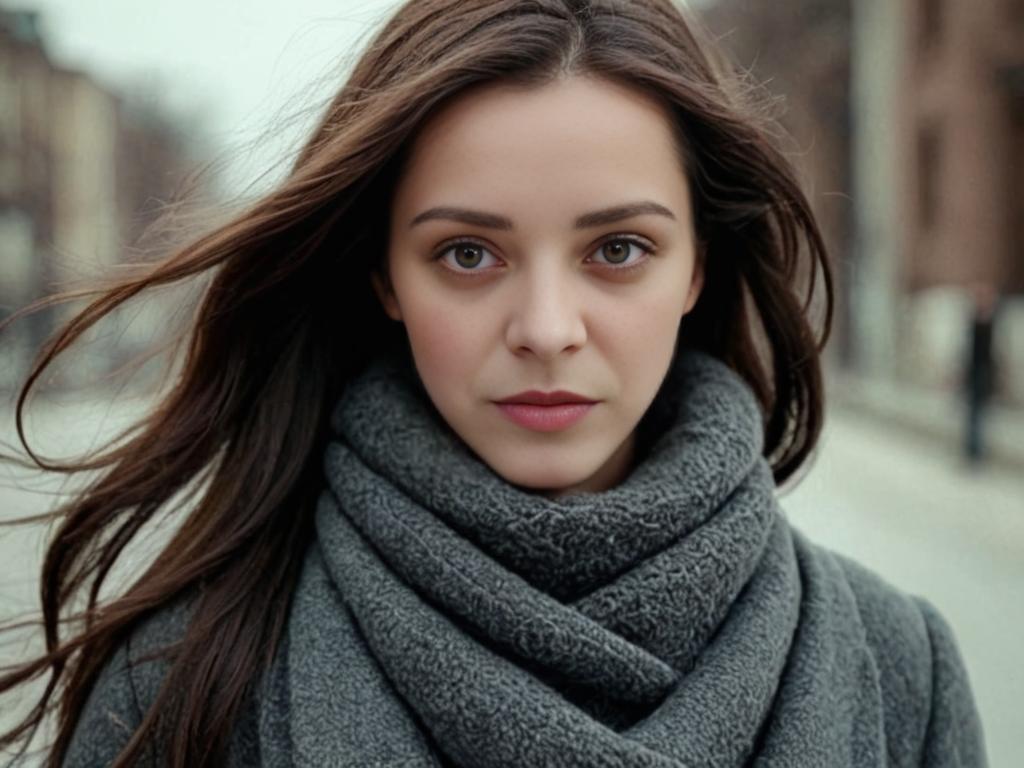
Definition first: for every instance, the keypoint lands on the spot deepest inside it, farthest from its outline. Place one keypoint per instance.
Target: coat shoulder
(150, 637)
(929, 705)
(123, 689)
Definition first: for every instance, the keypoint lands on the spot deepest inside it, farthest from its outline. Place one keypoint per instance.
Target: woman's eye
(466, 256)
(616, 252)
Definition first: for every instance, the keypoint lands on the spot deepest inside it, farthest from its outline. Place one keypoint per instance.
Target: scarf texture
(446, 617)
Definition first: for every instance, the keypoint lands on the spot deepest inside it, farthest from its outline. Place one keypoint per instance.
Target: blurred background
(905, 119)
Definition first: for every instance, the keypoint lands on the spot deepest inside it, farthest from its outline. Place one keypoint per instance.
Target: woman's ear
(388, 300)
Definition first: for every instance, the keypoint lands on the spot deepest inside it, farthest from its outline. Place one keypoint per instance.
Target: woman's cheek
(443, 343)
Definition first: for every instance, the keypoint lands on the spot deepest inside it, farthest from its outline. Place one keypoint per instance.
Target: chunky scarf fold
(447, 617)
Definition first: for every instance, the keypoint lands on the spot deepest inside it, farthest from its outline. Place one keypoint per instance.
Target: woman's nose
(546, 317)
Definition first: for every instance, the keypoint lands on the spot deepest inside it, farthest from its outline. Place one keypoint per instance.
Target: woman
(491, 397)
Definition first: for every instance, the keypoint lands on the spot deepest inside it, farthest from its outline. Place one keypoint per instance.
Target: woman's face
(541, 239)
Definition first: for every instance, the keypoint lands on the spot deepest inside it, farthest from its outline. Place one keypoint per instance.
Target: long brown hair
(288, 317)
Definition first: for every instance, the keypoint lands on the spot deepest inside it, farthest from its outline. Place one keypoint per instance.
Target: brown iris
(621, 246)
(459, 250)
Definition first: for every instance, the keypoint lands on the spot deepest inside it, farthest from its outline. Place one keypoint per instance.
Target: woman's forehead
(573, 142)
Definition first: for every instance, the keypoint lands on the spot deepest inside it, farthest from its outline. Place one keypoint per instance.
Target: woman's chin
(546, 480)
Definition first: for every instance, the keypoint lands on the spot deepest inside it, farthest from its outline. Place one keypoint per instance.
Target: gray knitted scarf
(447, 617)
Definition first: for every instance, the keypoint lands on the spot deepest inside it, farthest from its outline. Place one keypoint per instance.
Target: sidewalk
(933, 414)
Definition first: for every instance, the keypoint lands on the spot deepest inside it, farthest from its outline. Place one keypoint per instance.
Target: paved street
(899, 504)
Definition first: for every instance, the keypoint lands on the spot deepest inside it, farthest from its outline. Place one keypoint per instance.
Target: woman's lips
(545, 418)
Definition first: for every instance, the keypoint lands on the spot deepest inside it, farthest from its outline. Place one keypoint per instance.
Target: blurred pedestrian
(979, 369)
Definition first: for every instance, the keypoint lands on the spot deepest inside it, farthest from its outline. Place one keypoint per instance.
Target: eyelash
(644, 245)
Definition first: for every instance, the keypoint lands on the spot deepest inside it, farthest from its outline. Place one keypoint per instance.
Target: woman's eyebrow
(496, 221)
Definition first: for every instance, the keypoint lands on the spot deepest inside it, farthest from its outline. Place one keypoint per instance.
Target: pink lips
(545, 418)
(546, 411)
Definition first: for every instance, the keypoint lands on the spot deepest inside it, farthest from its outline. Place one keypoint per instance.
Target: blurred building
(80, 169)
(939, 153)
(26, 181)
(961, 107)
(908, 123)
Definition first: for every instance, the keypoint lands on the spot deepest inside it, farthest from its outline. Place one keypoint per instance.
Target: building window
(929, 159)
(1015, 13)
(930, 22)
